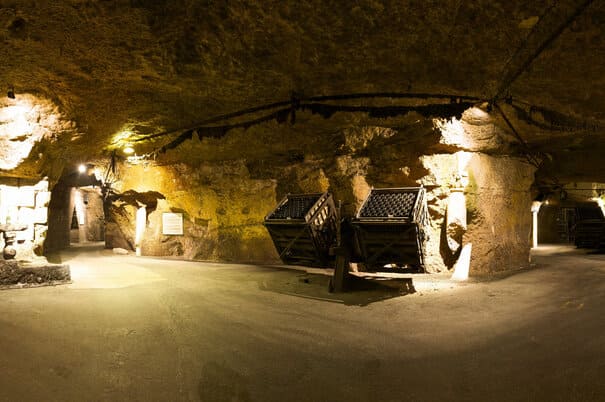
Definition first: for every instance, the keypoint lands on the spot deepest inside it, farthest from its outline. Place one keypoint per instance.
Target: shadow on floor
(61, 256)
(361, 292)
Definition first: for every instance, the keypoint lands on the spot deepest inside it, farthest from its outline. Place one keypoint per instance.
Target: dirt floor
(141, 329)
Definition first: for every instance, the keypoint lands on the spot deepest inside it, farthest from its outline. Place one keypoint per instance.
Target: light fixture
(11, 93)
(128, 150)
(82, 168)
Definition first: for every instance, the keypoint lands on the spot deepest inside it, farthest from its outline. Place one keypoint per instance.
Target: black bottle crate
(390, 230)
(303, 228)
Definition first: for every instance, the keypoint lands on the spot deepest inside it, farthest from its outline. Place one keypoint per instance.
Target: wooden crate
(390, 230)
(303, 228)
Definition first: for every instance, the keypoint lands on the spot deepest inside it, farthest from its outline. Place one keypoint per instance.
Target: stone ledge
(14, 274)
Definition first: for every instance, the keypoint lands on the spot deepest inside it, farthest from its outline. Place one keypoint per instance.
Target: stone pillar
(535, 208)
(141, 223)
(498, 199)
(456, 219)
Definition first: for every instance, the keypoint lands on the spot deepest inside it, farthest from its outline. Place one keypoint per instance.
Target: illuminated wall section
(26, 205)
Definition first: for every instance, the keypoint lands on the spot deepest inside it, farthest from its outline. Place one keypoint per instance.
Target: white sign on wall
(172, 223)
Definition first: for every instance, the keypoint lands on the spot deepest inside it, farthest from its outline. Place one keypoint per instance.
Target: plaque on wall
(172, 223)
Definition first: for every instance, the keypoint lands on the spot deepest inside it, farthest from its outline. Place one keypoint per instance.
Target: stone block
(26, 196)
(42, 186)
(40, 215)
(9, 196)
(42, 198)
(25, 216)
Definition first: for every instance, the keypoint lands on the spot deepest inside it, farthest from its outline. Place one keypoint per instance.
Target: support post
(339, 280)
(338, 283)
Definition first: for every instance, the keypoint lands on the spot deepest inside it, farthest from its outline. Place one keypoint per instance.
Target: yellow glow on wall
(452, 132)
(17, 120)
(23, 122)
(123, 139)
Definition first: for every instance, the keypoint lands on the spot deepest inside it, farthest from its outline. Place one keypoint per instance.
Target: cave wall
(224, 202)
(499, 208)
(221, 205)
(157, 68)
(498, 203)
(60, 210)
(94, 227)
(24, 202)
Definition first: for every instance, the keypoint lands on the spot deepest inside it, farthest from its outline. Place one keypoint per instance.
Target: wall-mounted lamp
(11, 93)
(82, 168)
(128, 150)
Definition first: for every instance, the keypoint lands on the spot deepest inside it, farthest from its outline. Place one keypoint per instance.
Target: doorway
(87, 216)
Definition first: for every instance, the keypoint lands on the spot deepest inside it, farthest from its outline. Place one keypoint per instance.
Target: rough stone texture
(25, 205)
(440, 180)
(60, 211)
(27, 121)
(499, 213)
(13, 273)
(95, 218)
(498, 210)
(222, 208)
(486, 135)
(96, 75)
(124, 68)
(224, 202)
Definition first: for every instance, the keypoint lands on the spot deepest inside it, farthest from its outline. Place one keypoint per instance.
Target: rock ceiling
(142, 67)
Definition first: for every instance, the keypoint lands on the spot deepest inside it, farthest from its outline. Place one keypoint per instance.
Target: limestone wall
(499, 209)
(224, 202)
(27, 205)
(60, 210)
(222, 208)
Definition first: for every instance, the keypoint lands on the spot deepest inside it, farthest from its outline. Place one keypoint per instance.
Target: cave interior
(173, 129)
